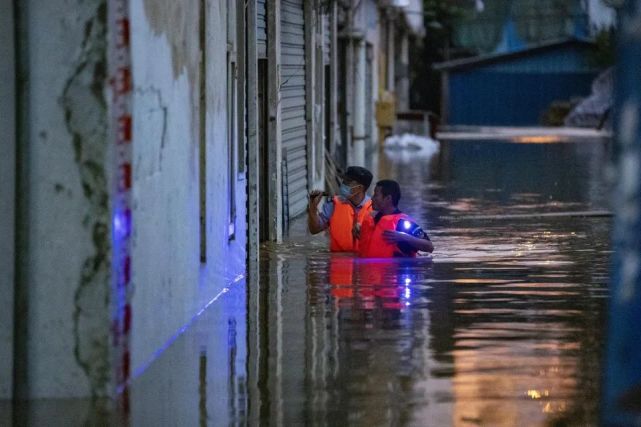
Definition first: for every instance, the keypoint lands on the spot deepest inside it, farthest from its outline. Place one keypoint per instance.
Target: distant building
(510, 59)
(515, 88)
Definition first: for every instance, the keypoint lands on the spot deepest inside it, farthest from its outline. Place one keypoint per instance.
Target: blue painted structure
(510, 40)
(515, 88)
(621, 403)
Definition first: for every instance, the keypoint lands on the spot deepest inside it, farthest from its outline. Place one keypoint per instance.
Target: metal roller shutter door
(327, 40)
(261, 28)
(294, 124)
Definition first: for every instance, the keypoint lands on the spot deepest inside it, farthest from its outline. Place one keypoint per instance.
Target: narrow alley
(163, 261)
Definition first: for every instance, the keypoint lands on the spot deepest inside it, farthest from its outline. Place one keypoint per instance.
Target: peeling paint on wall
(178, 22)
(85, 110)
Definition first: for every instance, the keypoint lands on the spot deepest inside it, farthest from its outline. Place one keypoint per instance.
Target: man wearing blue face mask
(342, 214)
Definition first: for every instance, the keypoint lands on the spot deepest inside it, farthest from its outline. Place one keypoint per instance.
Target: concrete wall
(171, 284)
(7, 195)
(63, 346)
(63, 282)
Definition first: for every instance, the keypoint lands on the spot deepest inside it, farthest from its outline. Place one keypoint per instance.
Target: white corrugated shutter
(261, 28)
(294, 125)
(327, 40)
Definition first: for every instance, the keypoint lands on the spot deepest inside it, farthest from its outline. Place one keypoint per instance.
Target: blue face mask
(345, 190)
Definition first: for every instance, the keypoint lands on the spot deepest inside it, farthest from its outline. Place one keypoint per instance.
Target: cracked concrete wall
(64, 268)
(7, 196)
(64, 272)
(170, 284)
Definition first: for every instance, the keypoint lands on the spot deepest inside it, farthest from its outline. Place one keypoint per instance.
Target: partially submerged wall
(170, 281)
(63, 277)
(181, 119)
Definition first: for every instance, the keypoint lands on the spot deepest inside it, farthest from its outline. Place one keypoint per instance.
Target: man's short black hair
(360, 175)
(389, 187)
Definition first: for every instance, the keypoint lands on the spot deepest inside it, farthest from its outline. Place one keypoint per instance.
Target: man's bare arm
(417, 243)
(314, 221)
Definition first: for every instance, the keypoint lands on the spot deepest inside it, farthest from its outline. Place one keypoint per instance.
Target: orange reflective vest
(341, 223)
(372, 243)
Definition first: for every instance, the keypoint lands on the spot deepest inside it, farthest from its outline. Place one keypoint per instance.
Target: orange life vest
(342, 222)
(372, 243)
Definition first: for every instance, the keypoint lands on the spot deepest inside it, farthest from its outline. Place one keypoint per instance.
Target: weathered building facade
(150, 146)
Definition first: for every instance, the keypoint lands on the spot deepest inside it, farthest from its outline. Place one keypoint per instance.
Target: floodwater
(501, 326)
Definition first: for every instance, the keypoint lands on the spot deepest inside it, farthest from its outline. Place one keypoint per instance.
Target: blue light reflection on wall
(237, 284)
(121, 225)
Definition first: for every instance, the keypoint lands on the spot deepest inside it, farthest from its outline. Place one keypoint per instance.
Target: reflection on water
(201, 379)
(501, 326)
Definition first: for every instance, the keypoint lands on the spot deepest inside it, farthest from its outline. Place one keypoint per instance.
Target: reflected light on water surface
(499, 327)
(540, 139)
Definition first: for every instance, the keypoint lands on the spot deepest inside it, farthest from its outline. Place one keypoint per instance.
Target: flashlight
(406, 226)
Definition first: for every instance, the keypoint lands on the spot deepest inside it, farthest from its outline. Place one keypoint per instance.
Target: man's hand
(314, 199)
(392, 236)
(313, 218)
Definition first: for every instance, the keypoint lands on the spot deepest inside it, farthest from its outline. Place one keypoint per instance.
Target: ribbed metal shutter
(261, 28)
(294, 125)
(327, 40)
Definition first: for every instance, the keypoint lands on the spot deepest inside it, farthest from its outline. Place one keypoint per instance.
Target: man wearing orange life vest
(390, 233)
(342, 214)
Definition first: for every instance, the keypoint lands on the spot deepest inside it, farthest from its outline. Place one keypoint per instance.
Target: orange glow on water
(540, 139)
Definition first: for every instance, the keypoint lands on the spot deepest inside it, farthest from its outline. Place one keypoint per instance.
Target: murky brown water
(502, 326)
